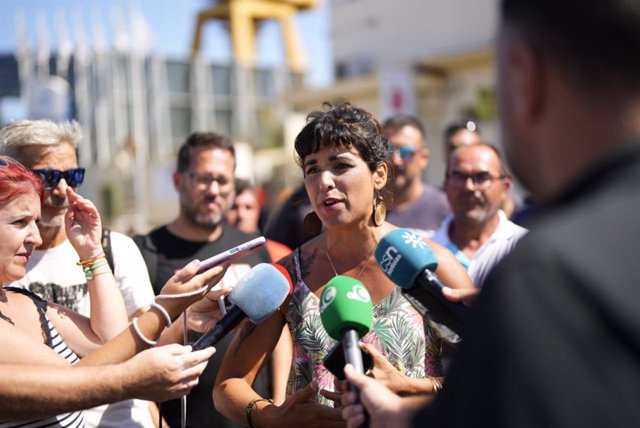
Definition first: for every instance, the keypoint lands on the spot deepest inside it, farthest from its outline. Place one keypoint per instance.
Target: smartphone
(232, 254)
(334, 361)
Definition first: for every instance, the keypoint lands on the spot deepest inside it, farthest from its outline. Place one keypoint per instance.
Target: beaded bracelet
(85, 263)
(250, 407)
(140, 335)
(164, 313)
(89, 270)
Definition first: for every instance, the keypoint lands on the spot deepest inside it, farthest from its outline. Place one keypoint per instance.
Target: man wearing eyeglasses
(49, 149)
(478, 231)
(204, 180)
(416, 204)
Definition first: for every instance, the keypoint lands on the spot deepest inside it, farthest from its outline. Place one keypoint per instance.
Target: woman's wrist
(436, 384)
(95, 270)
(87, 254)
(173, 307)
(257, 412)
(94, 266)
(413, 386)
(90, 257)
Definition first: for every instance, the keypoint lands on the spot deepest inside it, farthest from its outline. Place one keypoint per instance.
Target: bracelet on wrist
(163, 311)
(90, 270)
(85, 263)
(436, 384)
(250, 407)
(140, 335)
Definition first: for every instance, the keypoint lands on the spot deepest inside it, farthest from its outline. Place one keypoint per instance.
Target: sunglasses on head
(51, 177)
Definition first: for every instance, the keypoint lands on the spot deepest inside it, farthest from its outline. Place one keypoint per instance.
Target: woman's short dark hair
(343, 126)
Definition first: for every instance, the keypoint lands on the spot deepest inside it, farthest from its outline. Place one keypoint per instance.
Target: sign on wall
(397, 92)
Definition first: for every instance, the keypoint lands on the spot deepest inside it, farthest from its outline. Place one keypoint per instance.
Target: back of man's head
(460, 133)
(16, 135)
(595, 42)
(198, 140)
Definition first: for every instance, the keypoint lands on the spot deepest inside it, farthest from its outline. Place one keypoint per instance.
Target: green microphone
(346, 312)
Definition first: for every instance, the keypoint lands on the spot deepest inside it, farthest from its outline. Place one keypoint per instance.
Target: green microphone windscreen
(345, 303)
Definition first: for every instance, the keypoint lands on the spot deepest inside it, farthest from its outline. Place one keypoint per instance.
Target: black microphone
(257, 295)
(409, 262)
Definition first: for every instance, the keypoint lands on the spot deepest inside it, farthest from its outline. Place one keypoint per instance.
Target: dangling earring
(379, 211)
(312, 224)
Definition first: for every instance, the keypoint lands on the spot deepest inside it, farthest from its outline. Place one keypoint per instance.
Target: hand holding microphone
(409, 262)
(346, 312)
(257, 295)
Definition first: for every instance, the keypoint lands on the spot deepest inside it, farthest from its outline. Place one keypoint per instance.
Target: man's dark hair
(242, 185)
(198, 140)
(454, 127)
(399, 121)
(595, 42)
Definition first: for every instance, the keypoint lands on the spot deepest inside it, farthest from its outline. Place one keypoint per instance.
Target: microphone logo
(327, 297)
(389, 260)
(413, 239)
(359, 293)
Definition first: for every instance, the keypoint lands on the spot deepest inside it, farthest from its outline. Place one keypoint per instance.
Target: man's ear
(508, 183)
(177, 180)
(424, 155)
(527, 81)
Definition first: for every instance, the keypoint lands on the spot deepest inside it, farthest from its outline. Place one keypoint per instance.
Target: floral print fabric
(399, 332)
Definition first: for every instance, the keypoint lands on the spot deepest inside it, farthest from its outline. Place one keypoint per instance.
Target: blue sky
(171, 24)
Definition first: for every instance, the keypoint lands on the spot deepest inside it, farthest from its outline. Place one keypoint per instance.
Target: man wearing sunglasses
(478, 231)
(416, 204)
(49, 149)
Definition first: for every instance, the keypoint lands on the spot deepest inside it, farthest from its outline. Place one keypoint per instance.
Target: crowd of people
(93, 338)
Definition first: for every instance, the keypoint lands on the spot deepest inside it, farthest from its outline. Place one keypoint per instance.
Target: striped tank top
(55, 342)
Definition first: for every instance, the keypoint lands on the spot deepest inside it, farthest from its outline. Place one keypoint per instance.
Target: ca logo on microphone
(390, 259)
(327, 297)
(359, 293)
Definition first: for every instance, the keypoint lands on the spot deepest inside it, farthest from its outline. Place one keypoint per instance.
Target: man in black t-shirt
(204, 179)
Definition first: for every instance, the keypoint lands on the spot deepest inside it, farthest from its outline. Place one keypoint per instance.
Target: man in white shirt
(478, 232)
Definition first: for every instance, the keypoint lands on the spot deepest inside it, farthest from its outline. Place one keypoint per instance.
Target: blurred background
(141, 75)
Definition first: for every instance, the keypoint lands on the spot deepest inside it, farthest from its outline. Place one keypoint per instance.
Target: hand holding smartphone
(228, 257)
(231, 254)
(334, 361)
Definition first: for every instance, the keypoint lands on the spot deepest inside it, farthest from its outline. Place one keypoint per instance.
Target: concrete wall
(368, 34)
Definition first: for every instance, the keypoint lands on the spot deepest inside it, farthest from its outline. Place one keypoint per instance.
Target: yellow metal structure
(243, 15)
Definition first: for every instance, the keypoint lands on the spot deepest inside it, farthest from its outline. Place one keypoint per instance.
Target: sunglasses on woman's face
(51, 177)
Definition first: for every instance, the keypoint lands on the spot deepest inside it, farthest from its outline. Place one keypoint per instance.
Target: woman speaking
(345, 163)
